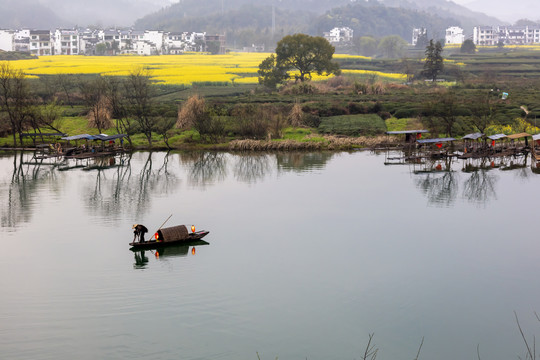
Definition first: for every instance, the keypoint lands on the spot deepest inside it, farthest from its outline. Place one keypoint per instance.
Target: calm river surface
(308, 254)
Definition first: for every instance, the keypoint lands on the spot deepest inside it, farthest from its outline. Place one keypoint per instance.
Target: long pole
(163, 224)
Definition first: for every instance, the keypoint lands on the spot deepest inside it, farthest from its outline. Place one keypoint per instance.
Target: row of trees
(129, 101)
(128, 104)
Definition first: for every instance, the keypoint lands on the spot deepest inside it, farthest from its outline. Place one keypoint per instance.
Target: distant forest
(247, 22)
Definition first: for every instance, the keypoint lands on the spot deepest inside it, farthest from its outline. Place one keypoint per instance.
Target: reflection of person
(140, 259)
(139, 231)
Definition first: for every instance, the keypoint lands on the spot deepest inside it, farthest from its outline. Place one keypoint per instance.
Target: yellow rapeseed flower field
(165, 69)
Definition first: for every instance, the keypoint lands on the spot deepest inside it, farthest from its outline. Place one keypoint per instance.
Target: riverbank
(318, 143)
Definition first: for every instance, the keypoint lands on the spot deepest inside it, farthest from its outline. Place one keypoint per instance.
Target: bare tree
(483, 110)
(164, 125)
(94, 95)
(139, 94)
(115, 92)
(15, 99)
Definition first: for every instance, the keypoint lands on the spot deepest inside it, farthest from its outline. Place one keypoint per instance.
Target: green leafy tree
(306, 54)
(392, 46)
(365, 45)
(269, 74)
(101, 49)
(434, 63)
(468, 47)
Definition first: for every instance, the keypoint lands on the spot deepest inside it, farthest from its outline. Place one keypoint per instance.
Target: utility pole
(273, 18)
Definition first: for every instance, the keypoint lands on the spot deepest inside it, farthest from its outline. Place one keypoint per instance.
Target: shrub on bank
(353, 125)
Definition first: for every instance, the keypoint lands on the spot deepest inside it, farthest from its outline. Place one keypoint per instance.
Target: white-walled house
(158, 39)
(143, 47)
(40, 42)
(485, 35)
(127, 41)
(67, 42)
(339, 35)
(507, 35)
(417, 33)
(22, 40)
(454, 35)
(7, 40)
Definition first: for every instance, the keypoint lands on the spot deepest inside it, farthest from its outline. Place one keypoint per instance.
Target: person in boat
(139, 231)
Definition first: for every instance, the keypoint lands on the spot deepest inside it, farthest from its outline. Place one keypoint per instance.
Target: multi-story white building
(40, 42)
(87, 41)
(507, 35)
(454, 35)
(533, 34)
(339, 35)
(67, 42)
(485, 35)
(22, 40)
(144, 47)
(417, 33)
(7, 40)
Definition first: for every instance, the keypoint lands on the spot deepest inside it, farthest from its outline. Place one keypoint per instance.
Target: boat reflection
(171, 251)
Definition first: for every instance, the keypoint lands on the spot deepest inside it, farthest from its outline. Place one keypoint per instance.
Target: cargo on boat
(170, 236)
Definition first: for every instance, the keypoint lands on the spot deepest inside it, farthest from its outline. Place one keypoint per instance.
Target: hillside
(247, 22)
(378, 20)
(521, 9)
(30, 14)
(467, 18)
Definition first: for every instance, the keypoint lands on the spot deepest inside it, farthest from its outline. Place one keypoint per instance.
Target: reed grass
(328, 142)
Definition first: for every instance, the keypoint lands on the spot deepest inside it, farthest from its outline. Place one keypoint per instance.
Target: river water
(308, 254)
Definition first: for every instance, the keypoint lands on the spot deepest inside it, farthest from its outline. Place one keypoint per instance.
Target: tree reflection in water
(110, 194)
(437, 180)
(206, 167)
(440, 188)
(480, 185)
(251, 168)
(28, 175)
(302, 161)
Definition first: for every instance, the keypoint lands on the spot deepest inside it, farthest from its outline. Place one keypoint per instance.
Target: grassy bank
(371, 97)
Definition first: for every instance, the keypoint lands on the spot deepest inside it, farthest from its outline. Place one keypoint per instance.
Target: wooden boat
(169, 236)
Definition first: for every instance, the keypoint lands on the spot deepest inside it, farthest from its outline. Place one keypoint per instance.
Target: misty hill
(49, 14)
(246, 22)
(372, 18)
(444, 8)
(29, 14)
(509, 11)
(203, 8)
(103, 12)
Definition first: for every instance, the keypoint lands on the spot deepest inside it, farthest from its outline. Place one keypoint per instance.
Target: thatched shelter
(174, 233)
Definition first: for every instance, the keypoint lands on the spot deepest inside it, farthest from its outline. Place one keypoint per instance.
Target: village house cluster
(108, 42)
(487, 35)
(339, 35)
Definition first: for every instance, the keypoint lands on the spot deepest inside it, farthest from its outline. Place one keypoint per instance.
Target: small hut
(410, 135)
(471, 143)
(519, 143)
(175, 233)
(436, 148)
(535, 147)
(494, 138)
